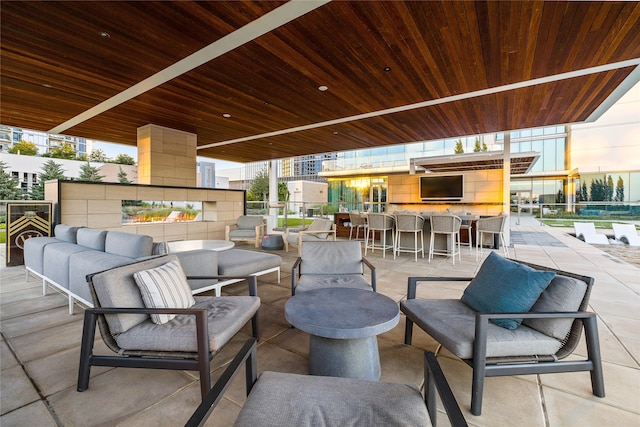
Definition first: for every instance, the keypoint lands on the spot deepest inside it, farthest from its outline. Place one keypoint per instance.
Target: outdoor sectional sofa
(64, 261)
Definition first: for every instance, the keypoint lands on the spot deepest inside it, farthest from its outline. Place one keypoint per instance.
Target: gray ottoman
(272, 242)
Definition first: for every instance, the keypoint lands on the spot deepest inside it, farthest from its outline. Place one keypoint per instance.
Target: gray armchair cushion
(309, 282)
(320, 225)
(242, 234)
(66, 233)
(280, 399)
(93, 239)
(227, 315)
(88, 262)
(249, 222)
(128, 244)
(563, 294)
(117, 288)
(240, 262)
(331, 257)
(452, 324)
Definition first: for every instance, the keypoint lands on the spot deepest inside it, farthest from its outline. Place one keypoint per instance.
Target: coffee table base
(350, 358)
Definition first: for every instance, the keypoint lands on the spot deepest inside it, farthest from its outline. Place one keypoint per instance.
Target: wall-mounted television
(442, 187)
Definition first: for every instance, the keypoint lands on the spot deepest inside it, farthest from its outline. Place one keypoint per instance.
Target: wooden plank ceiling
(61, 59)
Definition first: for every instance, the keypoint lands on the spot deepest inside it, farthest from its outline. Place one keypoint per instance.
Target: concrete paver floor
(39, 350)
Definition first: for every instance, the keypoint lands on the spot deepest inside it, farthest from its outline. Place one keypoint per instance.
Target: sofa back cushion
(563, 294)
(249, 222)
(117, 288)
(343, 257)
(505, 286)
(66, 233)
(93, 239)
(128, 244)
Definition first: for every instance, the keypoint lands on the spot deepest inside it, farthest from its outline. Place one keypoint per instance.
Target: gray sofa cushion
(452, 324)
(199, 262)
(66, 233)
(227, 315)
(331, 257)
(281, 399)
(240, 262)
(34, 252)
(309, 282)
(117, 288)
(563, 294)
(128, 244)
(242, 234)
(56, 261)
(87, 262)
(93, 239)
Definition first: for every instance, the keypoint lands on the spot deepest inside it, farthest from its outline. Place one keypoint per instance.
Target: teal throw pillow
(505, 286)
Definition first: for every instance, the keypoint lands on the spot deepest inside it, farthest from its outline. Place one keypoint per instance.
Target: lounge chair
(587, 231)
(626, 233)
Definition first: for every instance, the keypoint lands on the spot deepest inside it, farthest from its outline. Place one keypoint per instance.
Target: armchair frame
(199, 361)
(295, 274)
(302, 231)
(434, 380)
(484, 366)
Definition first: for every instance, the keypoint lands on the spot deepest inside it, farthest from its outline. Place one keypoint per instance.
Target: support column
(506, 185)
(272, 221)
(166, 156)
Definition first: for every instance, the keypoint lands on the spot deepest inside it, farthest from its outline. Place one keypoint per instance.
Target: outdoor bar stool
(467, 223)
(409, 223)
(448, 225)
(358, 222)
(492, 225)
(382, 223)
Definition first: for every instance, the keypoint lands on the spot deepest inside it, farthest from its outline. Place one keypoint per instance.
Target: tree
(584, 195)
(609, 189)
(484, 146)
(124, 159)
(24, 148)
(122, 177)
(65, 151)
(283, 191)
(50, 170)
(259, 187)
(459, 149)
(98, 156)
(620, 190)
(9, 189)
(89, 173)
(476, 147)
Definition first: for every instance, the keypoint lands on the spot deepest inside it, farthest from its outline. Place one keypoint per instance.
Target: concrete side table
(343, 324)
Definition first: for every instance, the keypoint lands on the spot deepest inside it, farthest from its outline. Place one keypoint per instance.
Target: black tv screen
(442, 187)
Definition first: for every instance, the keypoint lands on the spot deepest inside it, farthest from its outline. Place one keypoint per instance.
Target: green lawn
(606, 224)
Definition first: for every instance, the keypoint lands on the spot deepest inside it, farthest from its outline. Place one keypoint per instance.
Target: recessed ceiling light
(226, 115)
(335, 133)
(266, 103)
(104, 34)
(47, 85)
(387, 69)
(322, 88)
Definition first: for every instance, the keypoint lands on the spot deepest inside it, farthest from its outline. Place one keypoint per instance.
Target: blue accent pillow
(505, 286)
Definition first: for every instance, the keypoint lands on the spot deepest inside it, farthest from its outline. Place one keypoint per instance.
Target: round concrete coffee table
(343, 324)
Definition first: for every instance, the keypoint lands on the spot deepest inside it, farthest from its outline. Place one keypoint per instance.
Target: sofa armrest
(435, 381)
(412, 283)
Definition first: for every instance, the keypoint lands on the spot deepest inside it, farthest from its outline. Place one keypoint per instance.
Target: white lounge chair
(626, 233)
(587, 231)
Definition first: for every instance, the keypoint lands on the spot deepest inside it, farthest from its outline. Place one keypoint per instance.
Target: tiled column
(166, 156)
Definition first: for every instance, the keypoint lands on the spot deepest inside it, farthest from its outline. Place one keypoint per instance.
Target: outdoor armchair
(319, 230)
(248, 228)
(284, 399)
(549, 331)
(145, 332)
(331, 264)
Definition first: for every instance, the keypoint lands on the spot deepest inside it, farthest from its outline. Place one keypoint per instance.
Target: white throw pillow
(164, 287)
